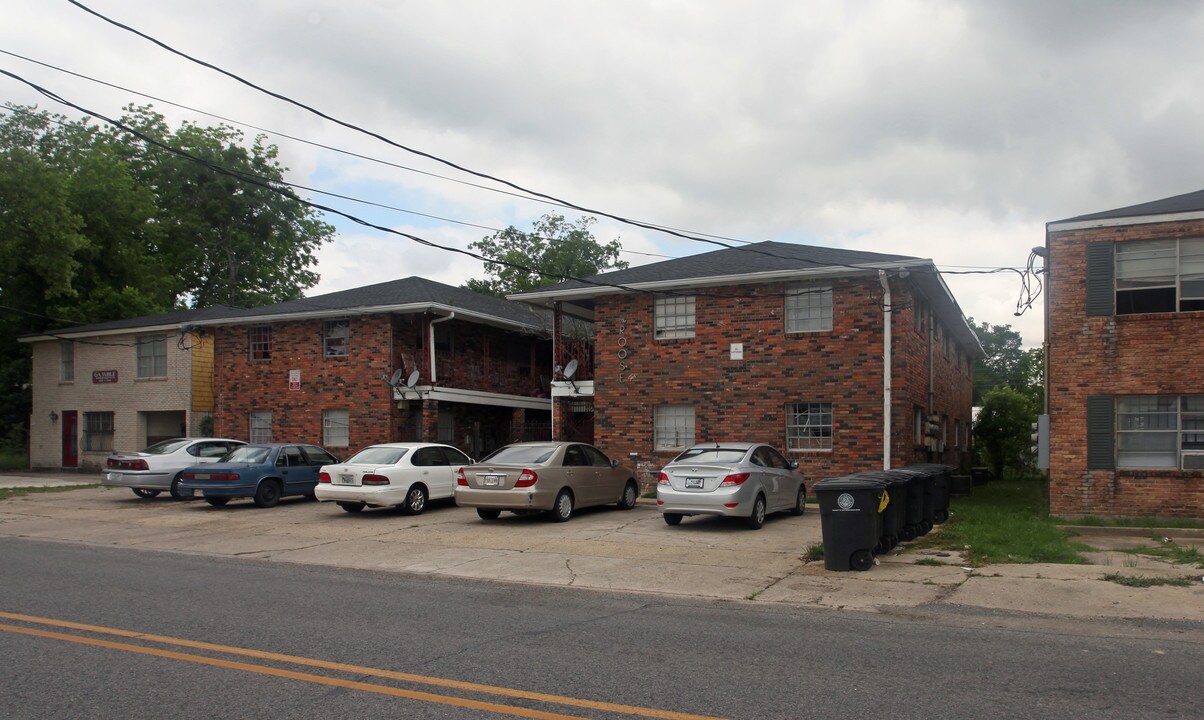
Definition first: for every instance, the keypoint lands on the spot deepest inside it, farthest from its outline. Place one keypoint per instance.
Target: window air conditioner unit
(1193, 460)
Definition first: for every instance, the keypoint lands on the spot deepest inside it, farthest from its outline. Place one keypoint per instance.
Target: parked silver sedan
(552, 477)
(746, 480)
(157, 468)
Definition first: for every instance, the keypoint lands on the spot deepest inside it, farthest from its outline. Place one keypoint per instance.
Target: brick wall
(1148, 354)
(744, 400)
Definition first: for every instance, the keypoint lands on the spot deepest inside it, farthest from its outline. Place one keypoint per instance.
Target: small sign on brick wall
(104, 376)
(294, 379)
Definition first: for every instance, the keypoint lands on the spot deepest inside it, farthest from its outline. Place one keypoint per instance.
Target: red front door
(70, 438)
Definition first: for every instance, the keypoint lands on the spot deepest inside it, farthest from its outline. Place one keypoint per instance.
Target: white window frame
(812, 434)
(336, 428)
(66, 361)
(1158, 430)
(151, 356)
(336, 338)
(1174, 264)
(808, 309)
(674, 317)
(673, 427)
(98, 432)
(259, 426)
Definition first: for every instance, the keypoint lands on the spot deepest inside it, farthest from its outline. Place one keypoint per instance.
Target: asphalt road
(167, 636)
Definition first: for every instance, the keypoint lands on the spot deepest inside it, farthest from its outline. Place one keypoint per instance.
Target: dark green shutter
(1101, 290)
(1101, 433)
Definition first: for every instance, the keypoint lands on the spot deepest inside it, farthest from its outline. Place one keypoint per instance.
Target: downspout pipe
(434, 375)
(886, 368)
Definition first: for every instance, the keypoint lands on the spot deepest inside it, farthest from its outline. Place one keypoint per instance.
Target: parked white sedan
(157, 468)
(405, 475)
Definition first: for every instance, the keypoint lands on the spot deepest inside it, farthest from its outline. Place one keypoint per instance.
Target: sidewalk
(34, 479)
(603, 549)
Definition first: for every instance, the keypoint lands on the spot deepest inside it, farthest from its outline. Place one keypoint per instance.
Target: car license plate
(492, 480)
(694, 482)
(114, 477)
(346, 480)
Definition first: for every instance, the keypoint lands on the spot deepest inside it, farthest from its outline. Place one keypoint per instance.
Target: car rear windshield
(522, 455)
(248, 454)
(712, 455)
(166, 447)
(377, 456)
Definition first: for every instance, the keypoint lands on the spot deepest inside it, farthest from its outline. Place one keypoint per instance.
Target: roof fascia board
(1121, 221)
(409, 308)
(67, 335)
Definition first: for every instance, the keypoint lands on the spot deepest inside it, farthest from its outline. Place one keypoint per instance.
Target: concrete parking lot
(599, 548)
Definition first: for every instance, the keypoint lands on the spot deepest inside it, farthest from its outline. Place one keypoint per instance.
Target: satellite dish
(570, 369)
(412, 380)
(396, 378)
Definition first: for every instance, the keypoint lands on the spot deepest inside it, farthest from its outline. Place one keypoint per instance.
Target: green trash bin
(850, 515)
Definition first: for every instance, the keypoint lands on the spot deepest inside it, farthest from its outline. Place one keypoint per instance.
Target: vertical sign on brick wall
(294, 379)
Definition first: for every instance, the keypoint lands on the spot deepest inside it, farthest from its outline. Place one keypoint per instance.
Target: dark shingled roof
(759, 257)
(177, 317)
(1188, 202)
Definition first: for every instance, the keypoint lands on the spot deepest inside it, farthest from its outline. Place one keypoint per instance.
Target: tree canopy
(97, 225)
(554, 250)
(1007, 363)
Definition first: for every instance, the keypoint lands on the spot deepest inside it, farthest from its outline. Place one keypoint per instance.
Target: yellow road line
(357, 669)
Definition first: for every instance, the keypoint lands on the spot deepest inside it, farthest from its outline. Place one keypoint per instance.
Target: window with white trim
(260, 426)
(1159, 276)
(151, 353)
(66, 361)
(1160, 431)
(674, 317)
(336, 336)
(259, 339)
(808, 426)
(98, 431)
(336, 428)
(673, 427)
(808, 308)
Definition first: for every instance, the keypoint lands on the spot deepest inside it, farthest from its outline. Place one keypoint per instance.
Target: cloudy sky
(945, 130)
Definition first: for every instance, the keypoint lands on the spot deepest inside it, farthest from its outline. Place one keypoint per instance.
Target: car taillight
(460, 479)
(188, 476)
(223, 476)
(663, 479)
(526, 479)
(114, 464)
(323, 477)
(734, 479)
(374, 480)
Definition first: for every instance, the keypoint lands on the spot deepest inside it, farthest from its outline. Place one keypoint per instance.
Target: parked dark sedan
(265, 473)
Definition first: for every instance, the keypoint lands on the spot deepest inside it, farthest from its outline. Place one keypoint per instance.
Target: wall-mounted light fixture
(54, 417)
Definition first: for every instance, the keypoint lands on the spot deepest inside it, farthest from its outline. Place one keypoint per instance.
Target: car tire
(800, 503)
(415, 501)
(757, 517)
(351, 507)
(217, 501)
(485, 514)
(267, 494)
(672, 518)
(631, 493)
(146, 494)
(562, 509)
(175, 490)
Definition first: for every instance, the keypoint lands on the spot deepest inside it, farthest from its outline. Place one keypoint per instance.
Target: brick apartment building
(1125, 378)
(118, 385)
(316, 370)
(846, 360)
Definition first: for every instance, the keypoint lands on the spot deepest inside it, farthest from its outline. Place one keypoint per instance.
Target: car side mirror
(794, 464)
(614, 463)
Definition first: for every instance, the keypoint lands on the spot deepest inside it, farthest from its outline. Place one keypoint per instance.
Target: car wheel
(351, 507)
(217, 501)
(488, 514)
(861, 560)
(146, 494)
(175, 490)
(631, 493)
(757, 518)
(800, 503)
(267, 494)
(672, 519)
(562, 509)
(415, 500)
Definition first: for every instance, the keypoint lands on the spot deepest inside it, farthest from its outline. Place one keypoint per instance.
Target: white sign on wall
(294, 379)
(737, 351)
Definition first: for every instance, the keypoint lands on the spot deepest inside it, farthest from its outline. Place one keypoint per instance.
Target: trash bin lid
(847, 482)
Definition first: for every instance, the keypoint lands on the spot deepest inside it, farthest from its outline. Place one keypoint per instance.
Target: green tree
(555, 249)
(1002, 430)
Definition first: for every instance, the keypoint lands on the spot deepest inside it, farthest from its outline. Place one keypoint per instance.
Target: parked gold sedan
(550, 477)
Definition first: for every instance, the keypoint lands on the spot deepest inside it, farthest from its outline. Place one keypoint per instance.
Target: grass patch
(1138, 581)
(9, 493)
(1170, 551)
(815, 552)
(1095, 521)
(930, 562)
(651, 494)
(1005, 521)
(10, 461)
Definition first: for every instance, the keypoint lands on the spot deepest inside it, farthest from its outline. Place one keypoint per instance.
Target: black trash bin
(925, 479)
(913, 506)
(980, 475)
(960, 486)
(851, 521)
(941, 475)
(894, 515)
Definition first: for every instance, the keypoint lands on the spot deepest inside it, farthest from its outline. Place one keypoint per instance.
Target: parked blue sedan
(265, 473)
